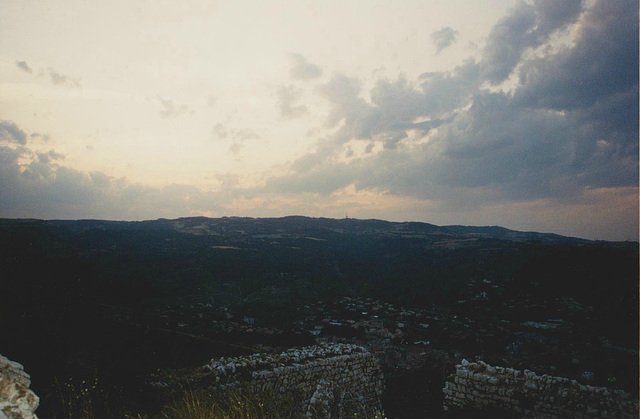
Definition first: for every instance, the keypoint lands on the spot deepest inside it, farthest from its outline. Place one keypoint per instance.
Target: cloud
(235, 148)
(553, 15)
(525, 26)
(287, 96)
(11, 133)
(563, 130)
(22, 65)
(493, 152)
(302, 69)
(34, 184)
(444, 38)
(219, 131)
(603, 61)
(244, 134)
(62, 80)
(343, 94)
(43, 137)
(397, 106)
(237, 136)
(170, 109)
(101, 180)
(50, 156)
(563, 139)
(54, 76)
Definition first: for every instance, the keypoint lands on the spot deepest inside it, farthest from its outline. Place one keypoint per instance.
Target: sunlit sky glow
(487, 112)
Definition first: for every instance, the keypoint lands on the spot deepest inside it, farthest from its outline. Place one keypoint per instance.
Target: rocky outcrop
(17, 401)
(481, 386)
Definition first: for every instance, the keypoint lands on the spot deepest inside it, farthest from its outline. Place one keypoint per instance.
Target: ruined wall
(17, 401)
(481, 386)
(330, 379)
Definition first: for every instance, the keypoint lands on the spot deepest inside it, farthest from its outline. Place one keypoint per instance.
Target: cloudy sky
(522, 114)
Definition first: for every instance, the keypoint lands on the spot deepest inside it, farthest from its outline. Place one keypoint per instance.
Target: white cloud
(444, 38)
(287, 97)
(22, 65)
(302, 69)
(170, 109)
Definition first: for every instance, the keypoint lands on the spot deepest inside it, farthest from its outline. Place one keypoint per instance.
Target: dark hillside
(119, 300)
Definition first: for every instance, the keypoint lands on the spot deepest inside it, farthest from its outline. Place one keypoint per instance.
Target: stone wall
(327, 380)
(330, 380)
(481, 386)
(17, 401)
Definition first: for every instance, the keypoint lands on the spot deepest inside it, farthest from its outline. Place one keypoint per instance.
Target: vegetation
(80, 400)
(88, 400)
(203, 405)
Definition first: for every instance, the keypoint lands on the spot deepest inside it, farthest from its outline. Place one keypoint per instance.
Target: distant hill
(299, 225)
(373, 257)
(514, 235)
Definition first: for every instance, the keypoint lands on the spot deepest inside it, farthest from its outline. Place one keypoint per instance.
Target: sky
(522, 114)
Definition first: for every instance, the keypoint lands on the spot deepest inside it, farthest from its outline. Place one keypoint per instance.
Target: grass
(80, 399)
(241, 405)
(87, 399)
(232, 405)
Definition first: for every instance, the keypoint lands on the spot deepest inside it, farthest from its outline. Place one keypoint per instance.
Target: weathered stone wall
(481, 386)
(17, 401)
(331, 380)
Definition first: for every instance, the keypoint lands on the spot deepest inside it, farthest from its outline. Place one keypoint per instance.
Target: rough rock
(477, 385)
(17, 401)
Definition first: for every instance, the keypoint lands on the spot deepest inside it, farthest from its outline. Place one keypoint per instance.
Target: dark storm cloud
(522, 154)
(396, 105)
(507, 41)
(553, 15)
(522, 159)
(443, 38)
(525, 26)
(10, 132)
(49, 156)
(603, 62)
(595, 84)
(22, 65)
(287, 97)
(569, 125)
(302, 69)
